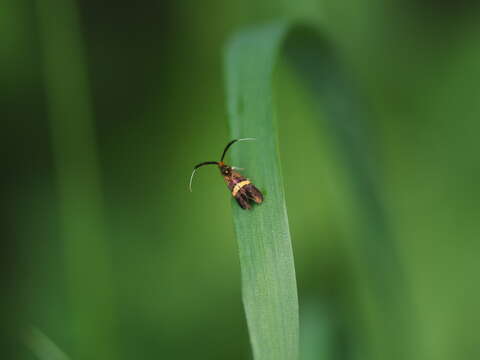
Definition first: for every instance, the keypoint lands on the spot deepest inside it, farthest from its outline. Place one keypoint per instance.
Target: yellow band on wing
(239, 186)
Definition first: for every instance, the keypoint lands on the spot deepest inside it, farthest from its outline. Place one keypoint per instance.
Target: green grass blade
(87, 257)
(317, 332)
(266, 259)
(42, 346)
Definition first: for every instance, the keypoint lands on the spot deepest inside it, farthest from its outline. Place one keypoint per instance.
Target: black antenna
(196, 167)
(231, 143)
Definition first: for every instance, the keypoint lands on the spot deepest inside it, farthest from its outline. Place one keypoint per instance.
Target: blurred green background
(147, 270)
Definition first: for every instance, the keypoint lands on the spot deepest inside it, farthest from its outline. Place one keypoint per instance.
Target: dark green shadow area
(336, 97)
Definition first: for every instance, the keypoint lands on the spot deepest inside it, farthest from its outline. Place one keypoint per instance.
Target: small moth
(241, 188)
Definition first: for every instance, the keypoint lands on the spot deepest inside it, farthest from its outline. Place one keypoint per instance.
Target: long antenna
(195, 169)
(231, 143)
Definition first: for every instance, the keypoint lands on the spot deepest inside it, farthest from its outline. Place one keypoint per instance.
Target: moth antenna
(195, 169)
(191, 179)
(233, 142)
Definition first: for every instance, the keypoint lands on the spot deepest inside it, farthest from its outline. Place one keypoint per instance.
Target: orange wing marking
(238, 186)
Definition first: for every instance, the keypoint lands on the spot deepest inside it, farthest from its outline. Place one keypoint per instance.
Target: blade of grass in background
(266, 258)
(87, 257)
(316, 332)
(42, 346)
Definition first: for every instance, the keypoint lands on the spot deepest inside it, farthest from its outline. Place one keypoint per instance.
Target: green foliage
(268, 275)
(43, 348)
(88, 265)
(105, 110)
(269, 288)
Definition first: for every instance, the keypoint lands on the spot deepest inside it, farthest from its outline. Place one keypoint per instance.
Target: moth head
(225, 169)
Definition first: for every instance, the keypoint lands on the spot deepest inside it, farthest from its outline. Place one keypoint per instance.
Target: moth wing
(243, 200)
(247, 193)
(253, 193)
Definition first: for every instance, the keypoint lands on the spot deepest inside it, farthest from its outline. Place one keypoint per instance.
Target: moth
(242, 189)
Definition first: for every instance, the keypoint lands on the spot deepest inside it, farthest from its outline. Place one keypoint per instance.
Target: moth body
(241, 188)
